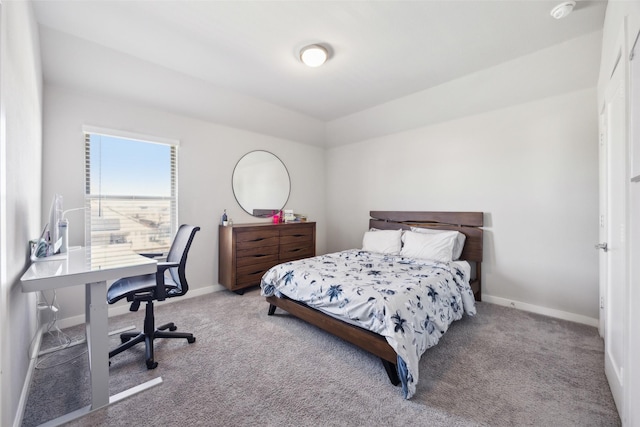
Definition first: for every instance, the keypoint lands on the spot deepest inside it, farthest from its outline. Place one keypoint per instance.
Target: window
(130, 193)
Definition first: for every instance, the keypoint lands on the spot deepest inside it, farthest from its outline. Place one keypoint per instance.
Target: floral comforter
(410, 302)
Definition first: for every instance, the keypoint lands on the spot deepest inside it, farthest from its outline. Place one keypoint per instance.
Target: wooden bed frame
(468, 223)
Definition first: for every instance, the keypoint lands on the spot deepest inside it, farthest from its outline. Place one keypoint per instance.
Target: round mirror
(261, 183)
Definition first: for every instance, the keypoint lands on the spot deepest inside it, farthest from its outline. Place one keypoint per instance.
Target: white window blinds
(130, 194)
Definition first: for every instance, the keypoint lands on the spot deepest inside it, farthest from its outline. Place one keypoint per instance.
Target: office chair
(169, 281)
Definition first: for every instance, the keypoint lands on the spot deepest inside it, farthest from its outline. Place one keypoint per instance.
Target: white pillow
(382, 241)
(460, 238)
(437, 247)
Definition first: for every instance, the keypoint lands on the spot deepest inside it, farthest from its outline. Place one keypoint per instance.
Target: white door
(613, 230)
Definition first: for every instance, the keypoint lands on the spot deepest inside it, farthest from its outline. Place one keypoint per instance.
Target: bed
(391, 301)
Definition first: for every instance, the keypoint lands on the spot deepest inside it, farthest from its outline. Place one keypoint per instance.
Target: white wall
(532, 168)
(507, 141)
(20, 185)
(207, 155)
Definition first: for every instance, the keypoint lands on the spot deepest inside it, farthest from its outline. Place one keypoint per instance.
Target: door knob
(602, 246)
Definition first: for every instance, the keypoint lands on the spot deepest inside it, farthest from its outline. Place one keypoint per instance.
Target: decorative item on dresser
(247, 251)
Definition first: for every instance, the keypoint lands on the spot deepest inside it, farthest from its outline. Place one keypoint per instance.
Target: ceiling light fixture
(314, 55)
(563, 9)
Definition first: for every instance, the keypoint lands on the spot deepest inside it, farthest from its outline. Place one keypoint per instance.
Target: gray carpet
(503, 367)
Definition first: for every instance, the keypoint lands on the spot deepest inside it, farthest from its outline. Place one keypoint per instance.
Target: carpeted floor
(503, 367)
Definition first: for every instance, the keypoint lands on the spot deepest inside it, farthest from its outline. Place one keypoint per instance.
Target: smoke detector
(563, 9)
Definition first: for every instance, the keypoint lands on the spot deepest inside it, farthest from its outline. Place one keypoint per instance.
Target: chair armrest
(161, 292)
(164, 265)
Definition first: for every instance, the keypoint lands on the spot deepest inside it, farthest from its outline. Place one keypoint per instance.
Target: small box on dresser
(247, 251)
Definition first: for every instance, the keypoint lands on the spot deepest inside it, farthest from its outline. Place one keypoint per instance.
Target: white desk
(92, 268)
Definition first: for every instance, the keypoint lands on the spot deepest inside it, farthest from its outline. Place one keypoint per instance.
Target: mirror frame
(260, 213)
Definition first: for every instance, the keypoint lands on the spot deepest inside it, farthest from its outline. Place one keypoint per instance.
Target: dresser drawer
(299, 235)
(257, 238)
(256, 255)
(251, 274)
(296, 251)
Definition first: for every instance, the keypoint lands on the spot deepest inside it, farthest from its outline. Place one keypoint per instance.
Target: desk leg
(97, 319)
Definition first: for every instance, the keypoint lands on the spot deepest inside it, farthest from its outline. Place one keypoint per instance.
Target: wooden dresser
(247, 251)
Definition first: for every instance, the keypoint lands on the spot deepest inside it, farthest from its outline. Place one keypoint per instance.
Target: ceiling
(380, 50)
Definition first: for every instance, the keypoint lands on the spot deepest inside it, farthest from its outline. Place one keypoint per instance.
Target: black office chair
(169, 281)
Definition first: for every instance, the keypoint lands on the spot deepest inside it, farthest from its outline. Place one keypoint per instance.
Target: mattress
(409, 301)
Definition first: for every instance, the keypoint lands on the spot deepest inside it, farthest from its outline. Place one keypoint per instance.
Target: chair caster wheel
(124, 339)
(152, 365)
(191, 340)
(173, 328)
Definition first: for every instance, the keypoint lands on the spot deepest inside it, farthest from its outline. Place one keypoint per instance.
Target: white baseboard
(122, 309)
(558, 314)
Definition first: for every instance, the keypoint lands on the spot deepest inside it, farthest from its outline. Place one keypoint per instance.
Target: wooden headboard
(468, 223)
